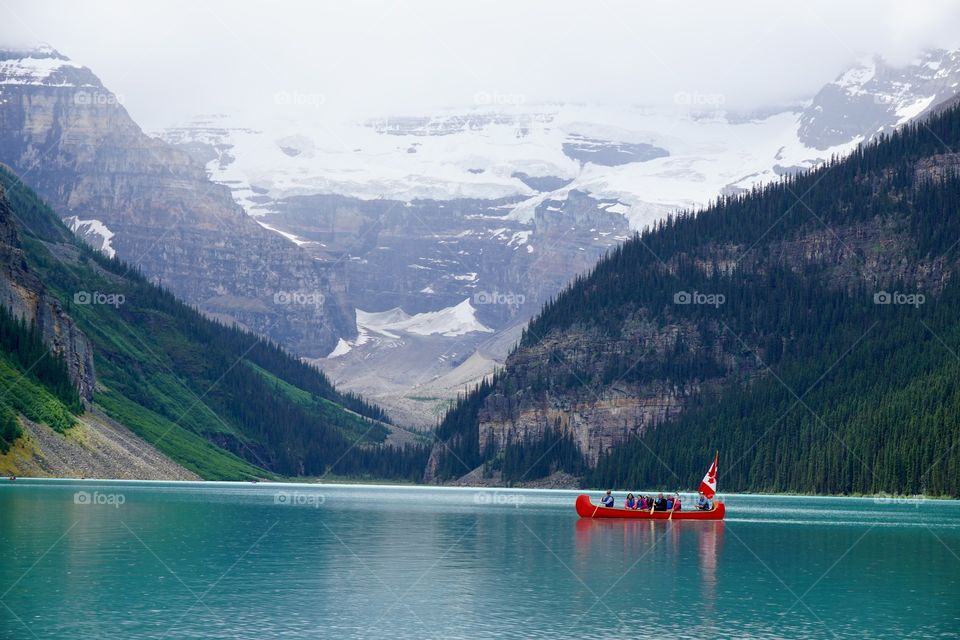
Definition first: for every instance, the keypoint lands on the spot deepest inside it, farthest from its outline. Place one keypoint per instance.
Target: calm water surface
(220, 560)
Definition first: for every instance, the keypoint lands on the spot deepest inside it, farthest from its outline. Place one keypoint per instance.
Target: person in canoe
(631, 502)
(676, 503)
(660, 504)
(703, 503)
(607, 500)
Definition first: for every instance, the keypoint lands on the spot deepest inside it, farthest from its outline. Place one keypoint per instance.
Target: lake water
(221, 560)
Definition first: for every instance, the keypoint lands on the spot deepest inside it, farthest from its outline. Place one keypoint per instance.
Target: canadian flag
(709, 483)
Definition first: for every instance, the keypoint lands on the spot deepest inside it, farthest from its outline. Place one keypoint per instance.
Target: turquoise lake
(99, 559)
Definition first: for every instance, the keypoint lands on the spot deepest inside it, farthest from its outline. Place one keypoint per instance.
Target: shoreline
(337, 482)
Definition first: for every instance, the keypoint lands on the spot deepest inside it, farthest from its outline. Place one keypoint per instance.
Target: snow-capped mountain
(649, 159)
(872, 97)
(508, 203)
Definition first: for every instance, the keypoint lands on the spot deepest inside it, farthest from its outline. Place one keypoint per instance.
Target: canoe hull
(586, 509)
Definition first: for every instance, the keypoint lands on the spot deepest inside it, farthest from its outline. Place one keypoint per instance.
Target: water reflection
(711, 540)
(643, 546)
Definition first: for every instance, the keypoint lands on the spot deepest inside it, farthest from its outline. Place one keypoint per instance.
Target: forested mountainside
(808, 329)
(218, 400)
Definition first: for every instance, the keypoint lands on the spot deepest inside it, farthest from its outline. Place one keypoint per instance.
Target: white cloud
(171, 60)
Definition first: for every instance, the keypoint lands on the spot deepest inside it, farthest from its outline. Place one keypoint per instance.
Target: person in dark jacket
(607, 500)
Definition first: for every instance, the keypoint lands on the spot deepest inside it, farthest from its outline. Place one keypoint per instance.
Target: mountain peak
(38, 52)
(881, 94)
(42, 66)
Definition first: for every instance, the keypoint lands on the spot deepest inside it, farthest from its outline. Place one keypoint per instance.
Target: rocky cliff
(71, 140)
(24, 294)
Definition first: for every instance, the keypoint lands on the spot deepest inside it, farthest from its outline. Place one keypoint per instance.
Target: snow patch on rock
(450, 322)
(93, 232)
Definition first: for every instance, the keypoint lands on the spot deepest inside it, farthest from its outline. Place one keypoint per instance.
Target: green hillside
(220, 401)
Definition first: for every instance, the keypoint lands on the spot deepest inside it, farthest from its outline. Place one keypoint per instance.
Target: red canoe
(586, 509)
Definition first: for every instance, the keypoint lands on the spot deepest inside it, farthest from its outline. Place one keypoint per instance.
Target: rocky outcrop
(22, 292)
(939, 166)
(598, 423)
(564, 383)
(72, 141)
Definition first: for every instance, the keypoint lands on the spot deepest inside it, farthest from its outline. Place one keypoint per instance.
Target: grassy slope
(155, 373)
(357, 427)
(29, 398)
(187, 448)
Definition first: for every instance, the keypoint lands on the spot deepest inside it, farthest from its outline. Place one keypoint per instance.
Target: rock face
(599, 416)
(873, 96)
(427, 255)
(72, 141)
(23, 293)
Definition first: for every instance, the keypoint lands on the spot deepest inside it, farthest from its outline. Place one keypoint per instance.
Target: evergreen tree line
(537, 457)
(23, 344)
(9, 428)
(882, 417)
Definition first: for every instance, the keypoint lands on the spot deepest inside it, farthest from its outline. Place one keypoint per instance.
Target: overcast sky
(170, 60)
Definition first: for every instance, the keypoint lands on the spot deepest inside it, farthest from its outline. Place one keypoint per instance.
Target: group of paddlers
(660, 503)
